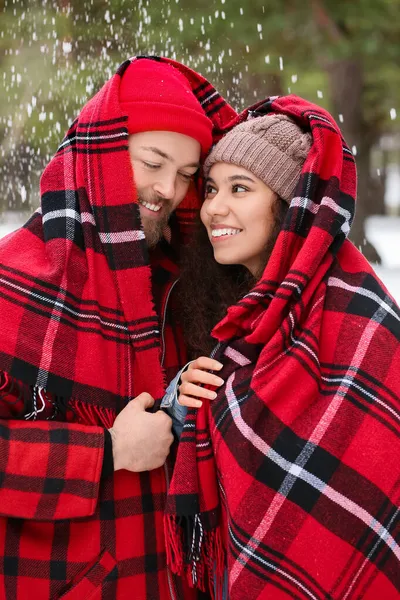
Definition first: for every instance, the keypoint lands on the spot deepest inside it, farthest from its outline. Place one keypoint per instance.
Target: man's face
(164, 163)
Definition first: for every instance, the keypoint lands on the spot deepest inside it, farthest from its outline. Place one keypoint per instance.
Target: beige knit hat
(272, 147)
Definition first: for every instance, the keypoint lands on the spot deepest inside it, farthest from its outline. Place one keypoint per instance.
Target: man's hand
(141, 440)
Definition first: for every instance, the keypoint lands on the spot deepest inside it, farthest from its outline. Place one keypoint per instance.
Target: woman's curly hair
(207, 289)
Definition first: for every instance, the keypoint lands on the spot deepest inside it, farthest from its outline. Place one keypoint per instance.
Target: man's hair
(207, 288)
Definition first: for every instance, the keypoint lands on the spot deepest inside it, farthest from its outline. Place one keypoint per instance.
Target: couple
(285, 480)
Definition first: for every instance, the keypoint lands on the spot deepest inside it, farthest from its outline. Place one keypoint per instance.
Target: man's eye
(186, 176)
(152, 166)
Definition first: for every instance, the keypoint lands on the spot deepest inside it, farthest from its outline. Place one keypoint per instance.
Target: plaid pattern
(79, 337)
(294, 469)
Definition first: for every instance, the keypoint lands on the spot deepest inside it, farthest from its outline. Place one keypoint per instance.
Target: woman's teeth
(221, 232)
(153, 207)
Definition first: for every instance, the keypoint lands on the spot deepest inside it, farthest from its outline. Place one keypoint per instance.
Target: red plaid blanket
(79, 337)
(294, 469)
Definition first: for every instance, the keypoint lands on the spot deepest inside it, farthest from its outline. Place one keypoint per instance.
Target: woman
(288, 481)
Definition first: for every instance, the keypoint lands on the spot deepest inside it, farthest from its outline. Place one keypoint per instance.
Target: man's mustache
(152, 198)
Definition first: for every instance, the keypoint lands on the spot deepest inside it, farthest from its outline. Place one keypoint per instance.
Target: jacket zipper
(169, 574)
(164, 318)
(171, 586)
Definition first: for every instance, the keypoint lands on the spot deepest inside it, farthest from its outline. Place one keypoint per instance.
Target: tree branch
(325, 21)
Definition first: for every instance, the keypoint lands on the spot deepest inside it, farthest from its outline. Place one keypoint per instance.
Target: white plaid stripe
(120, 237)
(64, 213)
(59, 307)
(335, 282)
(87, 217)
(368, 559)
(352, 384)
(295, 341)
(250, 553)
(319, 118)
(347, 151)
(236, 356)
(308, 204)
(297, 471)
(93, 138)
(51, 335)
(209, 98)
(84, 217)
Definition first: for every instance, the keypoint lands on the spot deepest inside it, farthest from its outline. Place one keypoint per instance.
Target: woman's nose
(218, 205)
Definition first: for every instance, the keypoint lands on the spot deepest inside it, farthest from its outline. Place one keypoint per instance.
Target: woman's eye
(210, 190)
(237, 189)
(152, 166)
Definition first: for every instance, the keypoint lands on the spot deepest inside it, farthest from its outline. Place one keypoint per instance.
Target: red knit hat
(157, 97)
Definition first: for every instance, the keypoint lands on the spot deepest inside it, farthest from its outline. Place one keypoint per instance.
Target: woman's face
(238, 215)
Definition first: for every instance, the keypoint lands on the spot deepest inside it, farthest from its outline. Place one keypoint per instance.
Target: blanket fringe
(24, 401)
(89, 414)
(196, 553)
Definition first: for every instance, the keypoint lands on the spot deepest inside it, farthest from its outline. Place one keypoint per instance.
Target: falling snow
(56, 55)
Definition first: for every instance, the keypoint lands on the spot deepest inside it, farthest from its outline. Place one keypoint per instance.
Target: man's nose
(165, 187)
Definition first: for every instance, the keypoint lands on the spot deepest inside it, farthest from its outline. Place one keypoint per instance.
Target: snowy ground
(383, 232)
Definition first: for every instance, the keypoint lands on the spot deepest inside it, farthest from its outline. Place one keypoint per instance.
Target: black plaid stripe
(209, 98)
(85, 150)
(59, 567)
(366, 386)
(101, 123)
(151, 562)
(49, 488)
(110, 509)
(369, 545)
(112, 220)
(299, 220)
(38, 302)
(266, 561)
(97, 137)
(53, 290)
(53, 433)
(123, 66)
(291, 450)
(34, 225)
(373, 400)
(364, 301)
(61, 217)
(12, 563)
(366, 306)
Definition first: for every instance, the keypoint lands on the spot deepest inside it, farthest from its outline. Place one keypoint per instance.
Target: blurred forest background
(342, 54)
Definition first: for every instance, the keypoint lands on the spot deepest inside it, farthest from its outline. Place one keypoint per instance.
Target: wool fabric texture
(272, 147)
(290, 479)
(79, 338)
(158, 97)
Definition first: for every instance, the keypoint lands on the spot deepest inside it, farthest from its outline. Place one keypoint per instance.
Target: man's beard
(154, 228)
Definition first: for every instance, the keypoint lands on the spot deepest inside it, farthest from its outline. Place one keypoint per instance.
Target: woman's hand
(197, 374)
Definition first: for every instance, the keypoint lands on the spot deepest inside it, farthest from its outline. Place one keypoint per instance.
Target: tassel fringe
(23, 401)
(202, 560)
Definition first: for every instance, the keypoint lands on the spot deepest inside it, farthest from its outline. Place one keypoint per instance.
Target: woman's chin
(224, 260)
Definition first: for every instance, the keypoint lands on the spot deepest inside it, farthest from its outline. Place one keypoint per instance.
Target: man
(84, 287)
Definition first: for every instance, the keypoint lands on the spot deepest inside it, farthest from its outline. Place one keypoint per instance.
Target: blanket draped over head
(289, 482)
(79, 338)
(76, 310)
